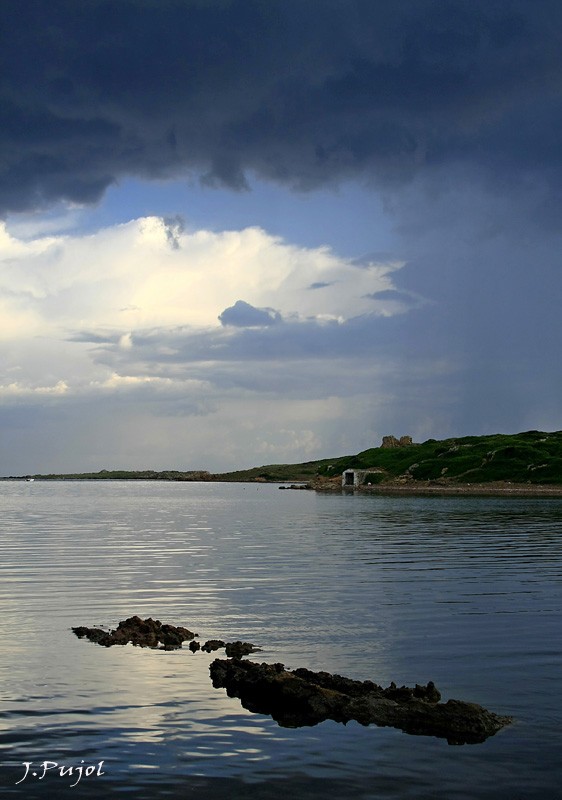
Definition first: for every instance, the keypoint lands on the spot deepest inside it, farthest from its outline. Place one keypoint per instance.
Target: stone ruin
(392, 441)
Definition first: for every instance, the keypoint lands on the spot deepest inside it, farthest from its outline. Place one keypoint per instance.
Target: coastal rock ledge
(301, 697)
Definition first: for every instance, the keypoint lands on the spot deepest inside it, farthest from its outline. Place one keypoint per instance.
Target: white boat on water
(30, 480)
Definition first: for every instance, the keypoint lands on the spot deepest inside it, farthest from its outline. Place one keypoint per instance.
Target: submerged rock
(239, 649)
(232, 649)
(302, 697)
(212, 644)
(141, 632)
(155, 634)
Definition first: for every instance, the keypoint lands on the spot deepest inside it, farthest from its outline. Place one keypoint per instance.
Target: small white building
(354, 477)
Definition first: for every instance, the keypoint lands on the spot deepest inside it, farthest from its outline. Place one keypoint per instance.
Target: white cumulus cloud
(130, 276)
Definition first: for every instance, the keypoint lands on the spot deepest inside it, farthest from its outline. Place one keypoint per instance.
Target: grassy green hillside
(279, 472)
(534, 457)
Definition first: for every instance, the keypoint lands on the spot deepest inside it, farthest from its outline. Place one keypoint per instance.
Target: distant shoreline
(411, 488)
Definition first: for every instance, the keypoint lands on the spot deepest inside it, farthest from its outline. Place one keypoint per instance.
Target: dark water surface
(466, 592)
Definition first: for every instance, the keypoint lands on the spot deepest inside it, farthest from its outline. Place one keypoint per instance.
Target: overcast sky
(241, 232)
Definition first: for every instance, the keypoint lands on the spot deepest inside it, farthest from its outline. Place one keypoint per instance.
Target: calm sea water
(466, 592)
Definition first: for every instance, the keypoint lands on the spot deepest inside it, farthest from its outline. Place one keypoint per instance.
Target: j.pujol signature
(74, 772)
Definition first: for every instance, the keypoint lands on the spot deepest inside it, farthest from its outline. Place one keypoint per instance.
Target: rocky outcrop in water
(301, 697)
(140, 632)
(155, 634)
(212, 644)
(240, 649)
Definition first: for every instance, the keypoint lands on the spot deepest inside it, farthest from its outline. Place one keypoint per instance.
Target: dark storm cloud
(292, 360)
(297, 91)
(90, 337)
(366, 335)
(244, 315)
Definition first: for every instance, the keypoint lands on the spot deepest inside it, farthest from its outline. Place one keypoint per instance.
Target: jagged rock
(140, 632)
(96, 635)
(301, 697)
(239, 649)
(212, 644)
(152, 633)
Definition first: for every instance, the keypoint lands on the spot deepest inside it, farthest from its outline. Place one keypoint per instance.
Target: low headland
(525, 464)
